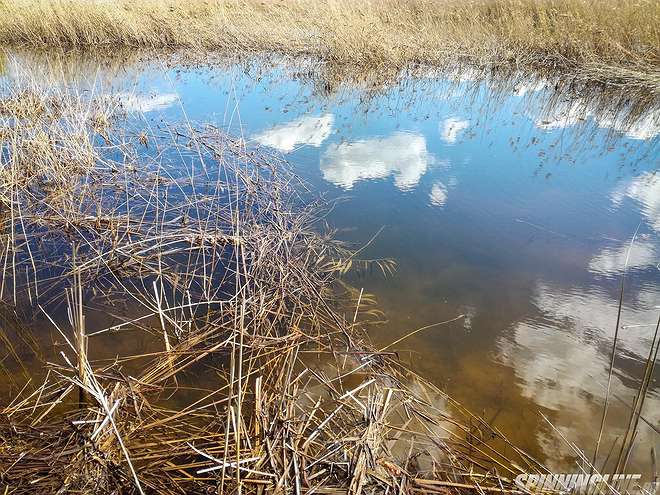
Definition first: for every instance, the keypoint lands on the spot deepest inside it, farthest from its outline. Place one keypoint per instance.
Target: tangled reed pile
(258, 377)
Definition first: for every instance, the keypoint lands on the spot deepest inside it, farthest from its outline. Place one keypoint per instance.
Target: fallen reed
(258, 376)
(614, 41)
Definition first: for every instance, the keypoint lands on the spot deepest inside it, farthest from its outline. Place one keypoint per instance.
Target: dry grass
(613, 40)
(259, 378)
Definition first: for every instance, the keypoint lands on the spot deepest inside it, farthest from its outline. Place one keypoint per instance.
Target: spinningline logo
(587, 484)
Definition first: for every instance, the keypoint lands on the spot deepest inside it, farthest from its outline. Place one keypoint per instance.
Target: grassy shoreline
(614, 42)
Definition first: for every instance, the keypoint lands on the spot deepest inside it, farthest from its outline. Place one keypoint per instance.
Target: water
(507, 203)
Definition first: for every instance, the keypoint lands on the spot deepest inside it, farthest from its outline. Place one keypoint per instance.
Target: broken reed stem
(77, 318)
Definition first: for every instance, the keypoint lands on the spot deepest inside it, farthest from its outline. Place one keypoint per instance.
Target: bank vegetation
(612, 41)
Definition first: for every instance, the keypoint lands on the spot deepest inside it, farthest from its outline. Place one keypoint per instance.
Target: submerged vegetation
(614, 41)
(256, 375)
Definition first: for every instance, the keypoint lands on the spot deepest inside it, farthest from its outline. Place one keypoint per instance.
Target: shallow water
(509, 204)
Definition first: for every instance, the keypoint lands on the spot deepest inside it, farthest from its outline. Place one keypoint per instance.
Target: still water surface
(517, 214)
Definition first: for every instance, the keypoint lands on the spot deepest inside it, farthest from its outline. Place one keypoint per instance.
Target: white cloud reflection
(403, 155)
(642, 254)
(452, 128)
(646, 127)
(565, 114)
(144, 103)
(645, 189)
(570, 113)
(561, 361)
(310, 131)
(645, 251)
(438, 194)
(530, 86)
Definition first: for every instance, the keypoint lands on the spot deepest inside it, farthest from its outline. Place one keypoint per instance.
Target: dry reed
(611, 41)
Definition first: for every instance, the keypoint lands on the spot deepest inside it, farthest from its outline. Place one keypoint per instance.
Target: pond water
(508, 203)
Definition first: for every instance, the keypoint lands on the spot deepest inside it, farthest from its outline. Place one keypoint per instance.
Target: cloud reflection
(452, 128)
(147, 103)
(438, 194)
(646, 127)
(642, 254)
(565, 114)
(570, 113)
(530, 86)
(561, 361)
(645, 189)
(303, 131)
(403, 155)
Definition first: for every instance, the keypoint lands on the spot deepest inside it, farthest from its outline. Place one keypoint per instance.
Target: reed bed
(614, 41)
(259, 377)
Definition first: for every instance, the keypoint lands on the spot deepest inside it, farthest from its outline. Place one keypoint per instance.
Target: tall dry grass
(614, 40)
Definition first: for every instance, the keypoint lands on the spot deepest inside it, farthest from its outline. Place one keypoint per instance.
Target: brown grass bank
(614, 41)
